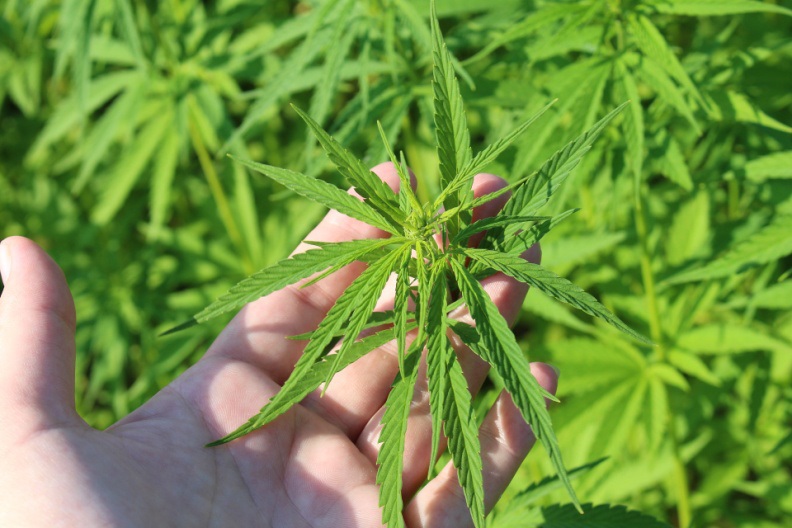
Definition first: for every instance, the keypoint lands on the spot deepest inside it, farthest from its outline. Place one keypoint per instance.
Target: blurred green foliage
(115, 116)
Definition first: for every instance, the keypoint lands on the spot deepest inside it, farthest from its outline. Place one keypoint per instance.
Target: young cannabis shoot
(429, 274)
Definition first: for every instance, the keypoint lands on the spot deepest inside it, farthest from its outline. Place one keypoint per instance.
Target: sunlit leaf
(768, 244)
(375, 191)
(718, 7)
(602, 516)
(500, 349)
(391, 454)
(461, 428)
(538, 189)
(296, 392)
(551, 284)
(286, 272)
(453, 138)
(322, 192)
(438, 357)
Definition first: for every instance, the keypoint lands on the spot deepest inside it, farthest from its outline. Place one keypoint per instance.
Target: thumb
(37, 323)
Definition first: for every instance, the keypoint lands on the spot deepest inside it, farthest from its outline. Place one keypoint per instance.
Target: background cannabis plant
(683, 228)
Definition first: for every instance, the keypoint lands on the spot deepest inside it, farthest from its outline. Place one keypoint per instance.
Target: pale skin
(312, 467)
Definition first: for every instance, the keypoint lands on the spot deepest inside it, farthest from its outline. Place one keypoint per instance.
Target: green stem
(655, 327)
(219, 196)
(684, 515)
(680, 472)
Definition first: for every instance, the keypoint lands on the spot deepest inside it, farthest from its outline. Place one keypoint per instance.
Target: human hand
(314, 466)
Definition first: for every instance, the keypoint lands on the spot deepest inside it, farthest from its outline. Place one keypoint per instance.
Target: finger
(505, 441)
(37, 325)
(359, 391)
(257, 334)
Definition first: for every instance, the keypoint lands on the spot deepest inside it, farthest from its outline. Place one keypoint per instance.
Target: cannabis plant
(428, 250)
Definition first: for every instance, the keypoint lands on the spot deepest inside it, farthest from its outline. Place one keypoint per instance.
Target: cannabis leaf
(428, 275)
(394, 429)
(453, 138)
(438, 355)
(769, 243)
(551, 284)
(324, 193)
(284, 273)
(601, 516)
(538, 189)
(499, 348)
(461, 429)
(521, 506)
(718, 7)
(295, 392)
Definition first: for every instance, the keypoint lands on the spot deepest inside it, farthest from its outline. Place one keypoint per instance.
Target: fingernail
(5, 262)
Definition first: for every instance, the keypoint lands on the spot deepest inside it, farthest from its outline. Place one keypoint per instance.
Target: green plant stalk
(681, 485)
(219, 197)
(655, 328)
(680, 472)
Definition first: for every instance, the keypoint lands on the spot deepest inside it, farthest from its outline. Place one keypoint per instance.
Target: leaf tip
(299, 111)
(645, 340)
(178, 328)
(239, 433)
(221, 441)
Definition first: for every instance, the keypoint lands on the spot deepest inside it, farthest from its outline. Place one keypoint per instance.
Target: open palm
(314, 466)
